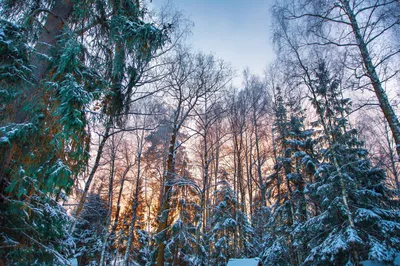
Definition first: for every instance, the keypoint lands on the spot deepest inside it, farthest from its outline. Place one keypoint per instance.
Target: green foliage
(14, 70)
(351, 191)
(181, 241)
(38, 232)
(331, 198)
(227, 221)
(293, 152)
(44, 140)
(90, 229)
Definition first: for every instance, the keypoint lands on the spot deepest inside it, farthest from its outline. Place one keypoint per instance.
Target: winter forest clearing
(121, 144)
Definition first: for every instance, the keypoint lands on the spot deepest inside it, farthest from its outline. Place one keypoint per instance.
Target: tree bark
(135, 204)
(103, 260)
(380, 93)
(164, 210)
(47, 40)
(93, 171)
(206, 164)
(392, 159)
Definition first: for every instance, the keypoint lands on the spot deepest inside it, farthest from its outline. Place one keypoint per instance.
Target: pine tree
(47, 91)
(276, 248)
(226, 218)
(90, 229)
(180, 235)
(40, 156)
(300, 142)
(181, 244)
(294, 158)
(358, 220)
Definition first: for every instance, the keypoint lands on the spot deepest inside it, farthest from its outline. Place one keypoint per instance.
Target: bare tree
(259, 101)
(113, 159)
(361, 28)
(143, 121)
(212, 75)
(190, 78)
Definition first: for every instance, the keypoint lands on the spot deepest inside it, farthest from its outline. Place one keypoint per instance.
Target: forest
(120, 144)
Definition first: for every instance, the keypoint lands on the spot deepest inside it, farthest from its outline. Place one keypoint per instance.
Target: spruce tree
(358, 220)
(56, 58)
(277, 246)
(226, 218)
(295, 159)
(89, 230)
(181, 244)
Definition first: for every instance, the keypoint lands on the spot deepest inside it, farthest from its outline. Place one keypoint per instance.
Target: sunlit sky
(237, 31)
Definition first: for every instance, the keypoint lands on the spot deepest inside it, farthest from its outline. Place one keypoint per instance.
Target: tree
(182, 242)
(226, 218)
(279, 248)
(371, 127)
(140, 141)
(190, 78)
(259, 102)
(45, 140)
(358, 220)
(353, 24)
(44, 149)
(90, 229)
(126, 66)
(213, 76)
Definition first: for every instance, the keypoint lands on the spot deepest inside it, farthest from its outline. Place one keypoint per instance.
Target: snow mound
(244, 262)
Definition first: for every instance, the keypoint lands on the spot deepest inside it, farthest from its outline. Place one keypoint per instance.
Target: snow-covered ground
(244, 262)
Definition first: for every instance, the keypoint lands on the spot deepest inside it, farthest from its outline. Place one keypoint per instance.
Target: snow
(73, 262)
(363, 214)
(389, 226)
(373, 263)
(4, 140)
(244, 262)
(352, 236)
(380, 252)
(299, 154)
(229, 222)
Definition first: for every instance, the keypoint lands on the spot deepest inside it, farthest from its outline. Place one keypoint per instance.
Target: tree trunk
(135, 204)
(118, 210)
(47, 40)
(249, 171)
(386, 108)
(165, 206)
(259, 164)
(392, 160)
(110, 203)
(94, 169)
(206, 164)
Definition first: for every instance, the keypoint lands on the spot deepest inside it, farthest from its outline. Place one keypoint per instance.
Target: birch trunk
(392, 159)
(134, 210)
(380, 93)
(263, 188)
(110, 202)
(206, 164)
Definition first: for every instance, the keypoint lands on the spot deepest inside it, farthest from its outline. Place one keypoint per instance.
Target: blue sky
(238, 31)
